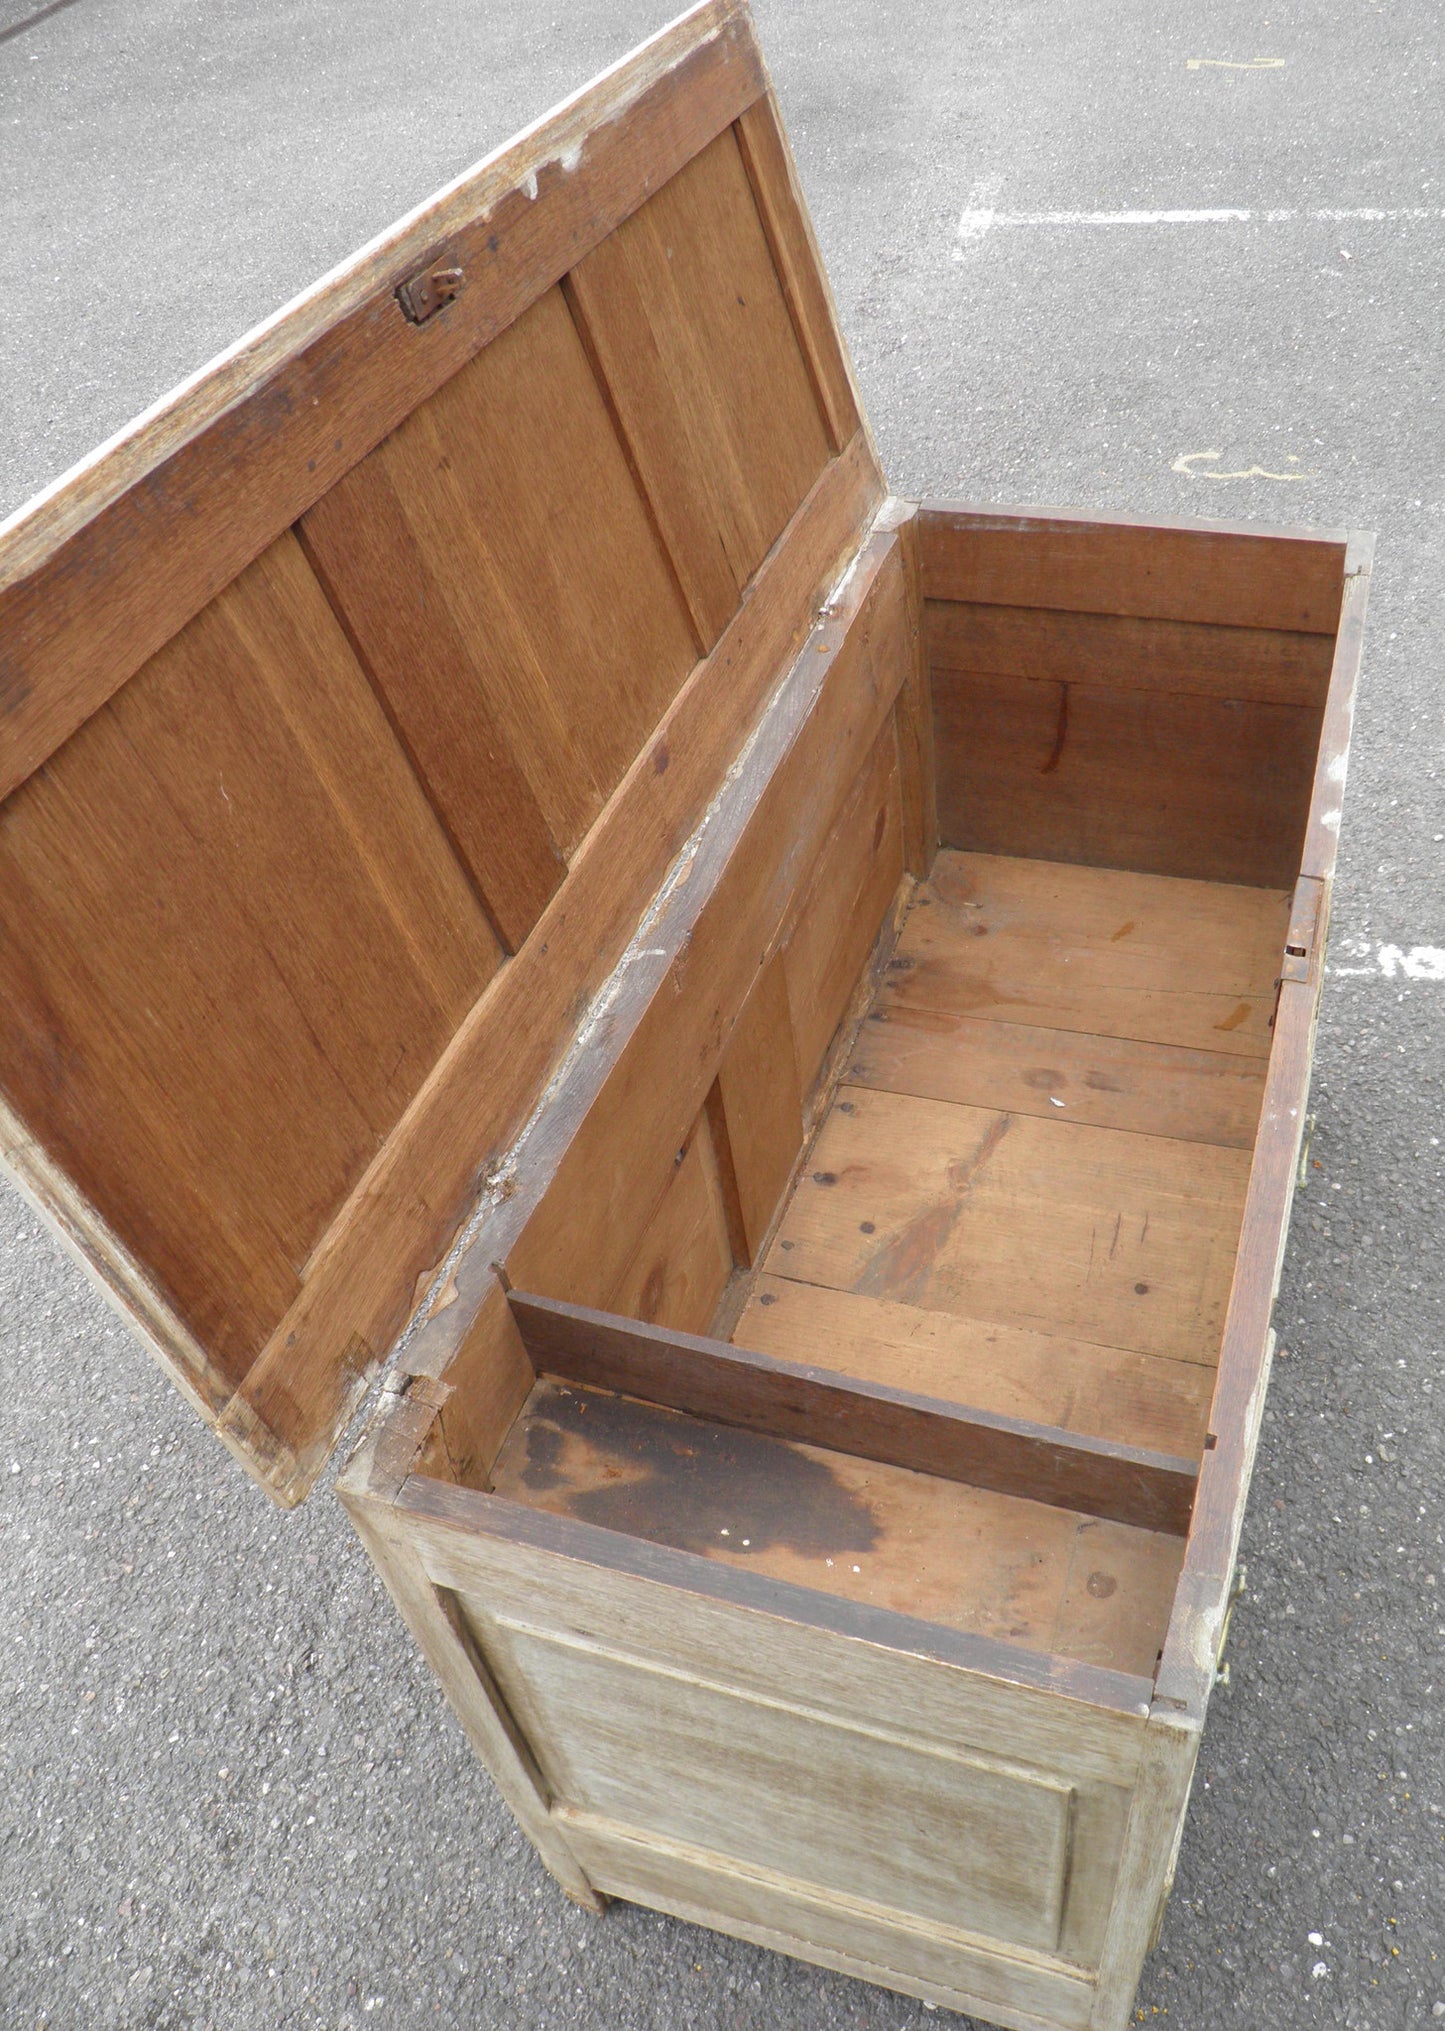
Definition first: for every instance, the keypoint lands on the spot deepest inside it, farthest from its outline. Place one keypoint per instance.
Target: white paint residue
(1188, 463)
(1389, 962)
(529, 184)
(1224, 63)
(570, 157)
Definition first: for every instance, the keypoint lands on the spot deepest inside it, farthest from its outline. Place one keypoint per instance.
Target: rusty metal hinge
(422, 296)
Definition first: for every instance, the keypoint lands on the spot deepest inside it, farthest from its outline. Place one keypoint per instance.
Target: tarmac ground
(230, 1794)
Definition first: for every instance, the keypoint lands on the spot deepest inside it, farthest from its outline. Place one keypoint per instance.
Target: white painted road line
(1389, 962)
(977, 218)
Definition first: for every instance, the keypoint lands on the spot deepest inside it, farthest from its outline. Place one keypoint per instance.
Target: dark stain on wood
(902, 1268)
(1061, 733)
(686, 1482)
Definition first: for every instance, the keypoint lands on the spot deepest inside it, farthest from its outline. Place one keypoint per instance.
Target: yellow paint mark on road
(1189, 462)
(1224, 63)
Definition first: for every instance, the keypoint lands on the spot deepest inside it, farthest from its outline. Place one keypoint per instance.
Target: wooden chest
(776, 1018)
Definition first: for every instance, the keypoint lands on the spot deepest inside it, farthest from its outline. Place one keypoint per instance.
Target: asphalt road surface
(230, 1795)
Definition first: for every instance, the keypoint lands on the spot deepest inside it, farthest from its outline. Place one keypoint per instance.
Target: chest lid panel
(354, 702)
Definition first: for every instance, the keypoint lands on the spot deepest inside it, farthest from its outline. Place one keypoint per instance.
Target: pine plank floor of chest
(767, 1023)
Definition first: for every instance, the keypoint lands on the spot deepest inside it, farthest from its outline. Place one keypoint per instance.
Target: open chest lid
(355, 701)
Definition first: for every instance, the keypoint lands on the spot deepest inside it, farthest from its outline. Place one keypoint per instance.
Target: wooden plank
(131, 1289)
(113, 560)
(622, 1152)
(774, 1638)
(946, 1837)
(773, 175)
(1124, 1239)
(1123, 653)
(449, 1645)
(1159, 781)
(946, 1969)
(677, 1271)
(482, 1395)
(1107, 1392)
(954, 1555)
(684, 314)
(1161, 1794)
(916, 758)
(432, 1169)
(803, 1402)
(1228, 574)
(1186, 1673)
(836, 915)
(521, 540)
(232, 920)
(1111, 1082)
(1328, 798)
(1094, 950)
(761, 1104)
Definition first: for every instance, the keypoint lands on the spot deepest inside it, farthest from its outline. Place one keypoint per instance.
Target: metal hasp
(425, 294)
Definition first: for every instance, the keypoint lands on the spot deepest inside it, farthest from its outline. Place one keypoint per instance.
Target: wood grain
(1186, 1673)
(1093, 950)
(1163, 782)
(957, 1556)
(121, 553)
(1111, 1082)
(560, 638)
(1119, 1238)
(801, 1401)
(775, 1639)
(780, 1788)
(872, 1943)
(1107, 1392)
(1234, 576)
(1122, 653)
(773, 175)
(685, 316)
(236, 941)
(677, 1271)
(1328, 800)
(430, 1172)
(917, 761)
(837, 912)
(761, 1104)
(620, 1155)
(449, 1645)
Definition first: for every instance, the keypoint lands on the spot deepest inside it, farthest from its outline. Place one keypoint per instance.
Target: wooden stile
(777, 1018)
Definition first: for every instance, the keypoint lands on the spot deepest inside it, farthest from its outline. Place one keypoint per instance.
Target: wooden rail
(709, 1378)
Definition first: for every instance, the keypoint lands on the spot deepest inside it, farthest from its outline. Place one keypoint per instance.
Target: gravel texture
(230, 1795)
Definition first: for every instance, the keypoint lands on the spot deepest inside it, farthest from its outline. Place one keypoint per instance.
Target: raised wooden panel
(861, 1811)
(762, 1108)
(1160, 781)
(839, 912)
(677, 1272)
(624, 1150)
(365, 1276)
(685, 314)
(101, 570)
(236, 942)
(527, 624)
(948, 1969)
(1095, 951)
(1119, 1238)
